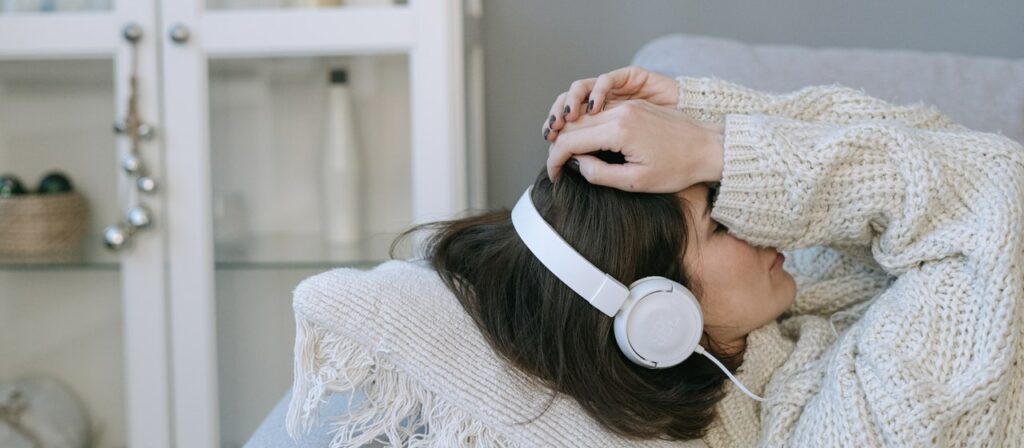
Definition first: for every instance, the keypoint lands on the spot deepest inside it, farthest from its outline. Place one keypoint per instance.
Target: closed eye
(712, 197)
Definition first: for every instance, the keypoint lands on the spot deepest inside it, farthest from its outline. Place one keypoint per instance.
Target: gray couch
(983, 93)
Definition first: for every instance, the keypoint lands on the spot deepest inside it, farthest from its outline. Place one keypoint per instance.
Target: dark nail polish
(551, 121)
(566, 111)
(590, 106)
(574, 164)
(546, 132)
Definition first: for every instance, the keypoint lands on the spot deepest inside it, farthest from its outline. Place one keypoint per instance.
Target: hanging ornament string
(138, 217)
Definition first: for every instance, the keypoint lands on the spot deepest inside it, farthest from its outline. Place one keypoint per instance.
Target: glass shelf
(53, 6)
(298, 252)
(275, 4)
(220, 265)
(60, 266)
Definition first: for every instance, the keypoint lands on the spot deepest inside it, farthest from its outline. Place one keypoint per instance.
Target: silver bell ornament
(146, 132)
(116, 236)
(138, 217)
(145, 184)
(131, 164)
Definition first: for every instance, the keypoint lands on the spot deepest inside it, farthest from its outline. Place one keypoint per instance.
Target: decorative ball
(145, 184)
(131, 164)
(138, 217)
(54, 182)
(10, 185)
(116, 236)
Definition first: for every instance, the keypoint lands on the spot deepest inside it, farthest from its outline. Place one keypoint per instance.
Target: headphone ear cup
(660, 324)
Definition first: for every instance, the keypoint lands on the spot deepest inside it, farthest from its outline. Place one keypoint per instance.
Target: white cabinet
(184, 337)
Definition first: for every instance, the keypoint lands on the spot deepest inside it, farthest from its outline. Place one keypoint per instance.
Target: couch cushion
(982, 93)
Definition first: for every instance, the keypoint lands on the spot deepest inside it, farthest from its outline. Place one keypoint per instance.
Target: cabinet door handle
(179, 33)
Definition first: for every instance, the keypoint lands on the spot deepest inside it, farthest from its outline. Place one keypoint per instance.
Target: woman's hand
(665, 150)
(588, 96)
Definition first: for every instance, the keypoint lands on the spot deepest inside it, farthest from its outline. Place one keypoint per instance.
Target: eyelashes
(712, 198)
(713, 194)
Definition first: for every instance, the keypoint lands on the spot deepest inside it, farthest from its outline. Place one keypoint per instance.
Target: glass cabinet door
(309, 163)
(305, 139)
(82, 326)
(60, 309)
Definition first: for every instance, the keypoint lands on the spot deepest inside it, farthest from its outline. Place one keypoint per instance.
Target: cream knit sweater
(907, 325)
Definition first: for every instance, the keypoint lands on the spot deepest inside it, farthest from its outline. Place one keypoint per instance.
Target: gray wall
(535, 48)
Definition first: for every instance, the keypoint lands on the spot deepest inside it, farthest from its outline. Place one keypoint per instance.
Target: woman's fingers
(580, 141)
(593, 95)
(583, 121)
(568, 106)
(584, 97)
(615, 175)
(587, 134)
(664, 149)
(604, 84)
(575, 100)
(586, 121)
(547, 129)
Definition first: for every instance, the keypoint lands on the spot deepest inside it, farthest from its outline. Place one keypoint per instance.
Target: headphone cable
(700, 350)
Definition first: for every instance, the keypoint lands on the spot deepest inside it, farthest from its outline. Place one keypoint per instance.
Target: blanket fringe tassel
(395, 409)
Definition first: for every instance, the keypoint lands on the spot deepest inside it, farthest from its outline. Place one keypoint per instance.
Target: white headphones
(658, 322)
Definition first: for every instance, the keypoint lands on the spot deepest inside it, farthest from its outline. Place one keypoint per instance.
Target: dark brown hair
(539, 325)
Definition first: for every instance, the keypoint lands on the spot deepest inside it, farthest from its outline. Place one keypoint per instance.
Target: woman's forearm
(714, 153)
(711, 99)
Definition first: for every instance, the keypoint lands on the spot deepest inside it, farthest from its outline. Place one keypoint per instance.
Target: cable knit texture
(902, 230)
(902, 227)
(398, 336)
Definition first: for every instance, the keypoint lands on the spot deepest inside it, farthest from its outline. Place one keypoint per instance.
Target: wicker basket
(42, 227)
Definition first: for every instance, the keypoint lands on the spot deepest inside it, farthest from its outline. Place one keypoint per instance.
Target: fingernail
(551, 121)
(566, 112)
(546, 132)
(590, 106)
(574, 164)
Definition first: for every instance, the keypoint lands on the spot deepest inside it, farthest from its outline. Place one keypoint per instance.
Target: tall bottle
(342, 165)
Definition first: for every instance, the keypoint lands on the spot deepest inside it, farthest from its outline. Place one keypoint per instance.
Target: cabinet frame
(168, 272)
(429, 31)
(144, 280)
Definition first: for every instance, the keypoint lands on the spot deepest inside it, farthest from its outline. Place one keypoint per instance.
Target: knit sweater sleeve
(821, 271)
(912, 195)
(940, 210)
(711, 99)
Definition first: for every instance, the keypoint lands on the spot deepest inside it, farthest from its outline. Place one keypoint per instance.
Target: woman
(896, 319)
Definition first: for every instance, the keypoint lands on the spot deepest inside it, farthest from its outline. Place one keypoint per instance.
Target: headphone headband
(599, 288)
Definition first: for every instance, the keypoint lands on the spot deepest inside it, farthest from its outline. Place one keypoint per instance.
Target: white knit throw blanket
(399, 336)
(904, 231)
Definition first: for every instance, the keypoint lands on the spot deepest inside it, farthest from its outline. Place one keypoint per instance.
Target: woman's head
(544, 328)
(742, 288)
